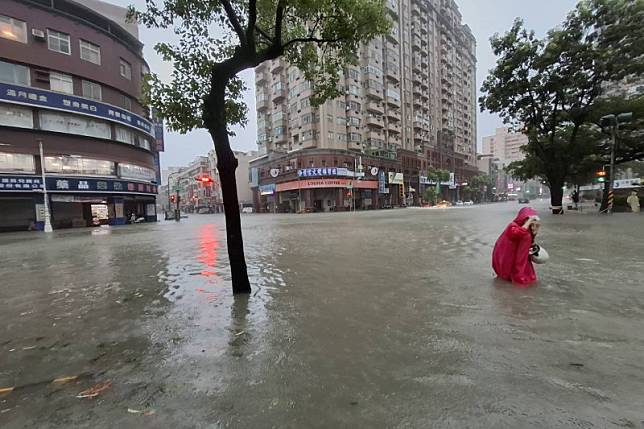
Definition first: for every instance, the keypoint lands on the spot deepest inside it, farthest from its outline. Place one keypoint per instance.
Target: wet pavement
(385, 319)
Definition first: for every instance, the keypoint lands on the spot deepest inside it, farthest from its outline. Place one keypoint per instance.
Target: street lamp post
(47, 227)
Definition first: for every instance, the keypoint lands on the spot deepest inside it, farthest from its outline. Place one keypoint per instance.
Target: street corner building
(70, 119)
(409, 104)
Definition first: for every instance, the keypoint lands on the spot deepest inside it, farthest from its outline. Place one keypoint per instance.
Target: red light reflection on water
(208, 245)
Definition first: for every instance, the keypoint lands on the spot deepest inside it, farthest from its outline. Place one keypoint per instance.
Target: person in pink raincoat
(511, 255)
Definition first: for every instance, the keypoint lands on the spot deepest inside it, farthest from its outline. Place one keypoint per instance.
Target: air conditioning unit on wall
(38, 34)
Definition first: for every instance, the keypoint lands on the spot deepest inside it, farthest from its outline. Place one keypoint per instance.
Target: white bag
(538, 254)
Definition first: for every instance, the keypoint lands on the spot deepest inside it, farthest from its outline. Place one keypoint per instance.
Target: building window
(61, 82)
(74, 124)
(127, 103)
(13, 29)
(17, 163)
(354, 137)
(80, 166)
(14, 73)
(124, 135)
(90, 52)
(144, 143)
(92, 90)
(16, 116)
(131, 171)
(125, 69)
(330, 135)
(59, 42)
(305, 103)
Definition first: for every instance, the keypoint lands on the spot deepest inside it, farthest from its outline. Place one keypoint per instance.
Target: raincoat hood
(524, 214)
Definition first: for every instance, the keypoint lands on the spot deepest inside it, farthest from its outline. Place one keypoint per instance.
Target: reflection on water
(208, 245)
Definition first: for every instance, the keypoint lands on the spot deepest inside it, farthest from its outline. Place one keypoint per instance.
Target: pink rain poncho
(511, 255)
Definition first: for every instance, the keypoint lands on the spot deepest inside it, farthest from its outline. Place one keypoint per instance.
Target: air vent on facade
(38, 34)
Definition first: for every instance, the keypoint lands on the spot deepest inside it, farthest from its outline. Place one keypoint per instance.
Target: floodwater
(386, 319)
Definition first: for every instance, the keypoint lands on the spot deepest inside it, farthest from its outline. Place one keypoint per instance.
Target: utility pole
(47, 227)
(613, 122)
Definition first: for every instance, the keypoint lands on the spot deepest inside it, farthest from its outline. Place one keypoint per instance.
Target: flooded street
(386, 319)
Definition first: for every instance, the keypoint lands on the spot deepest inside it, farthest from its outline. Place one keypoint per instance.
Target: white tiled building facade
(408, 86)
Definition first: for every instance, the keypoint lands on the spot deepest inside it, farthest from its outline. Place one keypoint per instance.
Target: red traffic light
(206, 180)
(601, 173)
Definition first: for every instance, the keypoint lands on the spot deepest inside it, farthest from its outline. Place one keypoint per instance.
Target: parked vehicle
(459, 203)
(524, 200)
(247, 210)
(468, 203)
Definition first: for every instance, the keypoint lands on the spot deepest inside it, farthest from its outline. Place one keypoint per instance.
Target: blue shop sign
(69, 103)
(382, 182)
(20, 183)
(316, 172)
(267, 189)
(88, 185)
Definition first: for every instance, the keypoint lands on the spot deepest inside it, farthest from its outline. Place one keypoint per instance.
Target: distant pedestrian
(634, 201)
(511, 256)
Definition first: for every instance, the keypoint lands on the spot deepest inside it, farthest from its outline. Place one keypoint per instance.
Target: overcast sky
(485, 17)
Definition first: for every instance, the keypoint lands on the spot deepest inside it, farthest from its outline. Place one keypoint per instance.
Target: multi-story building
(196, 186)
(412, 93)
(505, 145)
(70, 80)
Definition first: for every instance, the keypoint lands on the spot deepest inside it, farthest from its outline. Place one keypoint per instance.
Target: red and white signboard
(326, 183)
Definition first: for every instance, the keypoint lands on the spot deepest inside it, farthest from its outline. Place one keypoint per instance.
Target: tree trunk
(556, 196)
(215, 118)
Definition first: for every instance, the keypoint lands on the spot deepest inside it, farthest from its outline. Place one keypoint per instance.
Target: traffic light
(205, 180)
(600, 176)
(173, 198)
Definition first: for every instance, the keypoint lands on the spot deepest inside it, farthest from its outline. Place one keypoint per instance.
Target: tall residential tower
(413, 92)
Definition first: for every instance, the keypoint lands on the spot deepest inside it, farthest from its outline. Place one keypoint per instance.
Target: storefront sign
(82, 184)
(313, 172)
(38, 97)
(267, 189)
(159, 136)
(326, 183)
(20, 183)
(382, 182)
(396, 179)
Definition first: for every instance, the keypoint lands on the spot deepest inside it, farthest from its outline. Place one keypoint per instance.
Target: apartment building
(412, 90)
(505, 145)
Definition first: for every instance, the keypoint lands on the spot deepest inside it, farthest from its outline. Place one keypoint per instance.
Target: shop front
(73, 202)
(327, 195)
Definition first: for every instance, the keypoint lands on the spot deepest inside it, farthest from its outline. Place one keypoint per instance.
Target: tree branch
(252, 20)
(310, 40)
(234, 21)
(279, 18)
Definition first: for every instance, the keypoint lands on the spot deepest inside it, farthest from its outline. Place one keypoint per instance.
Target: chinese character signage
(73, 185)
(314, 172)
(382, 182)
(20, 183)
(65, 102)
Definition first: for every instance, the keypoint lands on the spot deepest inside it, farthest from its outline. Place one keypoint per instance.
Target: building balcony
(277, 66)
(280, 139)
(393, 101)
(279, 95)
(395, 127)
(393, 139)
(374, 135)
(373, 93)
(260, 78)
(375, 107)
(375, 121)
(393, 73)
(263, 103)
(393, 114)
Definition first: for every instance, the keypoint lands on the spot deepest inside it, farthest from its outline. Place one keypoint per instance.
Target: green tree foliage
(220, 38)
(551, 88)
